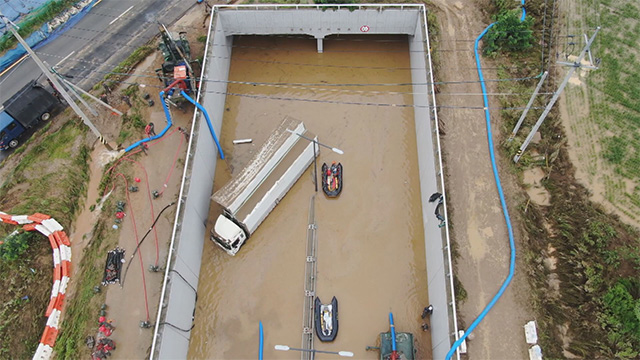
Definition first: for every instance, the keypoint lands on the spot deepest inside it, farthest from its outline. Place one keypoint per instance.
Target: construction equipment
(176, 52)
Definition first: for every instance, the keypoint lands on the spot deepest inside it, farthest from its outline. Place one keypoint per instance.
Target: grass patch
(55, 173)
(52, 179)
(84, 307)
(596, 255)
(121, 72)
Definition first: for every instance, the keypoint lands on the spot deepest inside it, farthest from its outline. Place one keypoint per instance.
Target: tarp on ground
(43, 36)
(14, 54)
(17, 9)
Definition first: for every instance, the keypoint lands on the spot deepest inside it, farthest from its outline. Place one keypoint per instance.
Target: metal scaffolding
(309, 285)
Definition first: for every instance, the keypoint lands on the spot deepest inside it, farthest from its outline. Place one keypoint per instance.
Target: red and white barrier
(61, 247)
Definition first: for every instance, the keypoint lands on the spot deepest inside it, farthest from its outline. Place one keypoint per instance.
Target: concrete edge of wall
(446, 245)
(443, 319)
(178, 294)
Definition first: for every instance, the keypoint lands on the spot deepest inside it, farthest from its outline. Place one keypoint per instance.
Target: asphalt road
(98, 42)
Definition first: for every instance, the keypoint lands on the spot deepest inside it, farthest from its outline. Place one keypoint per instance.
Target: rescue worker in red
(149, 130)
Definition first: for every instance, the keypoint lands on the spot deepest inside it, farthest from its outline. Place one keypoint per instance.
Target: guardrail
(453, 317)
(319, 6)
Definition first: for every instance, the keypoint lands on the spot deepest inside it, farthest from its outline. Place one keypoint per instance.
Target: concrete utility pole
(526, 110)
(77, 88)
(575, 65)
(47, 72)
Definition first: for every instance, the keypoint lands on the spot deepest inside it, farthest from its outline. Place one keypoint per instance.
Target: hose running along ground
(503, 203)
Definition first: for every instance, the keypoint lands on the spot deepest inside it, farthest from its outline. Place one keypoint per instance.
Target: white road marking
(65, 58)
(119, 16)
(14, 64)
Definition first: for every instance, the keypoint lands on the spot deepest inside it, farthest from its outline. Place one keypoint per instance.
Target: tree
(509, 33)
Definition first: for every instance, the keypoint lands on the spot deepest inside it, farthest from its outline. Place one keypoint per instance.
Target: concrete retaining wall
(442, 322)
(318, 23)
(170, 343)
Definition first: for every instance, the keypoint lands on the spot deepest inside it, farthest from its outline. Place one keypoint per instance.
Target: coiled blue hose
(505, 211)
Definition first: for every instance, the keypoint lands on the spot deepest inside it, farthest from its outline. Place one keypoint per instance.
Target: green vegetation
(614, 100)
(593, 310)
(509, 33)
(334, 2)
(35, 20)
(50, 190)
(131, 124)
(83, 309)
(622, 315)
(51, 178)
(120, 72)
(15, 245)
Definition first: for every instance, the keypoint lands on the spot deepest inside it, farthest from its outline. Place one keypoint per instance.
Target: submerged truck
(250, 195)
(23, 110)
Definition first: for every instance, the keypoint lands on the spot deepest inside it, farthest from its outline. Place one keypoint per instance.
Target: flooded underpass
(371, 252)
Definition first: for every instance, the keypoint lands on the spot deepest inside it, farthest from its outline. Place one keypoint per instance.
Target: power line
(312, 84)
(336, 102)
(236, 58)
(299, 87)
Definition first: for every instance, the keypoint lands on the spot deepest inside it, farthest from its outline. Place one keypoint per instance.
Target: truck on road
(23, 110)
(250, 195)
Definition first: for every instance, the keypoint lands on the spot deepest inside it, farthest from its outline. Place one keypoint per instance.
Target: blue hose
(260, 353)
(206, 116)
(169, 123)
(512, 259)
(393, 333)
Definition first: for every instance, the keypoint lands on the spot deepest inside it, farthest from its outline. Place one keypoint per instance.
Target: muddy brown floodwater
(371, 252)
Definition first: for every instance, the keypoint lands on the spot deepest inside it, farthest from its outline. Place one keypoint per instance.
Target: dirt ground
(159, 170)
(476, 220)
(477, 224)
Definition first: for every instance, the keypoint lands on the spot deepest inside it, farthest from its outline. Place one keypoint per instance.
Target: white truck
(250, 195)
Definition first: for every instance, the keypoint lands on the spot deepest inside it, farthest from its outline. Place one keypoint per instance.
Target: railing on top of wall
(319, 6)
(447, 245)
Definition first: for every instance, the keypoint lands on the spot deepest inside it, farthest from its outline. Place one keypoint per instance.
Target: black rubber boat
(326, 319)
(332, 179)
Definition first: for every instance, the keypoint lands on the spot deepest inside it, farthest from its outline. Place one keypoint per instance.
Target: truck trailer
(23, 110)
(250, 195)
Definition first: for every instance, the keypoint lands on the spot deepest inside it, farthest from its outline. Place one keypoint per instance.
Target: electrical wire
(155, 231)
(314, 89)
(142, 240)
(325, 84)
(135, 232)
(339, 102)
(177, 328)
(185, 280)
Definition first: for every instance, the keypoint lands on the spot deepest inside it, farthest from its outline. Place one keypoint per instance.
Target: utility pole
(47, 72)
(526, 110)
(76, 87)
(575, 65)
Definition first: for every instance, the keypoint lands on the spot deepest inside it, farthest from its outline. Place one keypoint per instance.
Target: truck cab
(31, 104)
(228, 235)
(10, 129)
